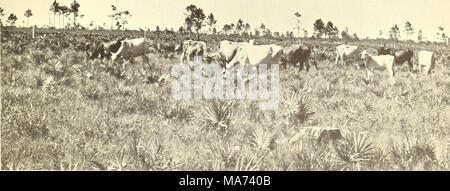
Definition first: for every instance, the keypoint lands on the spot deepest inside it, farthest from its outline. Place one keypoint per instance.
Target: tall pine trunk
(74, 19)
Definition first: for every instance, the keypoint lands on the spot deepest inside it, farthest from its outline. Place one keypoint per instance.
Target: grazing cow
(125, 48)
(381, 62)
(191, 48)
(426, 59)
(345, 51)
(401, 56)
(131, 48)
(258, 54)
(298, 54)
(227, 49)
(103, 49)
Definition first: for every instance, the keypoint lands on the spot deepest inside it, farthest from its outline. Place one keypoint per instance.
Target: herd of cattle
(229, 53)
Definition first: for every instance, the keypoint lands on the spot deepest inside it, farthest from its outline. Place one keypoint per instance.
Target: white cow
(426, 59)
(258, 54)
(382, 62)
(227, 49)
(344, 51)
(191, 48)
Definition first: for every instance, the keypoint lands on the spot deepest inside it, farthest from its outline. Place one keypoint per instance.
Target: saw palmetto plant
(217, 116)
(354, 152)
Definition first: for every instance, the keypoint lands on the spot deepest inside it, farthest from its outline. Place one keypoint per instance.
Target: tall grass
(62, 112)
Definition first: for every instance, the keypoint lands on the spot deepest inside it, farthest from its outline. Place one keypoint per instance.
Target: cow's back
(346, 49)
(228, 48)
(258, 54)
(134, 48)
(194, 47)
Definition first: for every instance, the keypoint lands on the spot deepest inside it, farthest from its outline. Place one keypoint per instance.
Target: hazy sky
(365, 17)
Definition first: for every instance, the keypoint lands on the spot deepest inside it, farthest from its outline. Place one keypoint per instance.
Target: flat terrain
(61, 112)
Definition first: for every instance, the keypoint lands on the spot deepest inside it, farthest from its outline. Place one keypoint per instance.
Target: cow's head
(364, 55)
(95, 51)
(212, 56)
(114, 47)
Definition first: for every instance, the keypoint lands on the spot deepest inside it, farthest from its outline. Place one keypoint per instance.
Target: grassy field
(61, 112)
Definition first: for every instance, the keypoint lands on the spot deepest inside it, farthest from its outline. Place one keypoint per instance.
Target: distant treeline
(168, 35)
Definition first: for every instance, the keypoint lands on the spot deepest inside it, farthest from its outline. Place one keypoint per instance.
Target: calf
(191, 48)
(381, 62)
(426, 59)
(345, 51)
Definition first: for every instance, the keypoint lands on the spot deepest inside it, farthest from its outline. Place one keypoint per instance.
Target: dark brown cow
(298, 54)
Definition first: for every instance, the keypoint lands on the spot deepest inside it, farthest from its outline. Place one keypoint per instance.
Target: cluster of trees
(240, 28)
(196, 20)
(329, 30)
(395, 33)
(121, 17)
(63, 11)
(12, 18)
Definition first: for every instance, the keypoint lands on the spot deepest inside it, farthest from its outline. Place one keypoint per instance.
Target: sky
(364, 17)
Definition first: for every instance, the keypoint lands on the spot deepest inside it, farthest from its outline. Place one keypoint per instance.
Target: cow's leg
(113, 59)
(392, 75)
(343, 62)
(369, 76)
(313, 62)
(411, 66)
(182, 58)
(189, 62)
(300, 67)
(337, 59)
(427, 70)
(307, 66)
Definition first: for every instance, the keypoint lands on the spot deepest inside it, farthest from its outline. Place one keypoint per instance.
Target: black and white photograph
(225, 85)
